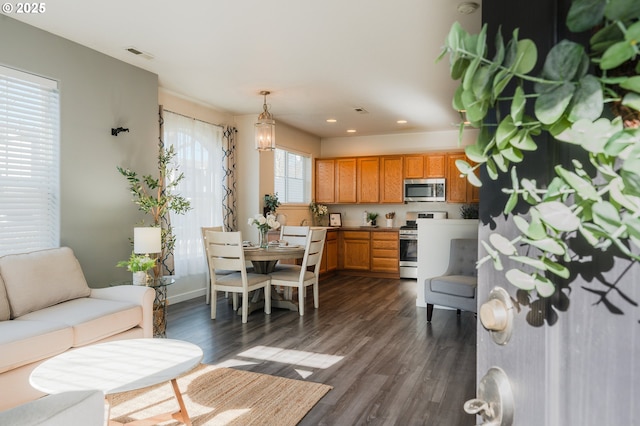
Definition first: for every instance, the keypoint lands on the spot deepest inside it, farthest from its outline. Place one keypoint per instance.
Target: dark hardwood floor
(368, 340)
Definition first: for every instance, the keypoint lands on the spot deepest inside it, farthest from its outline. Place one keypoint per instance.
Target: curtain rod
(196, 119)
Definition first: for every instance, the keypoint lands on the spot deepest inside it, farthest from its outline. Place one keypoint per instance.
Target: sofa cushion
(457, 285)
(23, 342)
(67, 408)
(5, 310)
(91, 319)
(41, 279)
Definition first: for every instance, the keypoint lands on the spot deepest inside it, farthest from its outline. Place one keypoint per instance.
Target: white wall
(97, 93)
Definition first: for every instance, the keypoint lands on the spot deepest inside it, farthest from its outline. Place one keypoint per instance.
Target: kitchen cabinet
(459, 190)
(422, 166)
(355, 250)
(368, 179)
(385, 252)
(345, 180)
(329, 262)
(325, 181)
(391, 182)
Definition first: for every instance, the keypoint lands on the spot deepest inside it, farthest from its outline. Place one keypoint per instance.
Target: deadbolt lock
(494, 402)
(496, 315)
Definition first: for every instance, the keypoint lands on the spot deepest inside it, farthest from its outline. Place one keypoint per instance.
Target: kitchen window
(292, 177)
(29, 162)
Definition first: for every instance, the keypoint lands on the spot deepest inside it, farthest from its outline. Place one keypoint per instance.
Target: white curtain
(199, 155)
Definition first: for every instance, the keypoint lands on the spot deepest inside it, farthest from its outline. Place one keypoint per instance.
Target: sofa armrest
(139, 295)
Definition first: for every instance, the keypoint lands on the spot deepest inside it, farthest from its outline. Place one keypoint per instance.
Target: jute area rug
(224, 396)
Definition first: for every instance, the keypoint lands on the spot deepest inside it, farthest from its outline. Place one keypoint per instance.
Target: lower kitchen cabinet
(385, 252)
(355, 251)
(329, 262)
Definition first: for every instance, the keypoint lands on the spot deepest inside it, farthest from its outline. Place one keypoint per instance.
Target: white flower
(261, 222)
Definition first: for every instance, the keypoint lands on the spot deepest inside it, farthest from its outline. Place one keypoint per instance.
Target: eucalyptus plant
(569, 100)
(155, 195)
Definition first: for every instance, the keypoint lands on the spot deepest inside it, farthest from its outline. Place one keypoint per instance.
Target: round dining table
(264, 261)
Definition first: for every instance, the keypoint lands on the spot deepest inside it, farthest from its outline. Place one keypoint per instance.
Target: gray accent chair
(457, 287)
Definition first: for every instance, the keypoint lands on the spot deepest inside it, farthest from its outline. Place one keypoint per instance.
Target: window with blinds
(29, 162)
(292, 177)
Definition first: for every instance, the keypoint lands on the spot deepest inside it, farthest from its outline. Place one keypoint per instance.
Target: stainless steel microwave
(424, 190)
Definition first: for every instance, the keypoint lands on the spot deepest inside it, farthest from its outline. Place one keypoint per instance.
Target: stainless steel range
(409, 242)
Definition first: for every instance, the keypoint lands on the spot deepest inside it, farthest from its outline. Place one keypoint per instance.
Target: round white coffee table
(120, 366)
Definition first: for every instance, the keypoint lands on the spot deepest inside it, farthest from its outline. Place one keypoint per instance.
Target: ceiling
(320, 60)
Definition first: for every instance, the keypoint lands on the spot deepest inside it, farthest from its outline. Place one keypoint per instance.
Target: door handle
(494, 401)
(496, 315)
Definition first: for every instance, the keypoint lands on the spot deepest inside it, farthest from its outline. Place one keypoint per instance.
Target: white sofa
(46, 308)
(84, 408)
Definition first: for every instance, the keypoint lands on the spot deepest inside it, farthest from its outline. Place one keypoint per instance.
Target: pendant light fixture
(265, 128)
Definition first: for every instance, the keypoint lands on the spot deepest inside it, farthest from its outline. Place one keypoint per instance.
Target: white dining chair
(225, 252)
(306, 274)
(294, 235)
(204, 229)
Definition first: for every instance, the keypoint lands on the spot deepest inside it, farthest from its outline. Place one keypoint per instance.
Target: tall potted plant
(156, 197)
(599, 201)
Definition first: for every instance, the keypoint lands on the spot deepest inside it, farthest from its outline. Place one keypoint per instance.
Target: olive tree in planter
(155, 196)
(599, 201)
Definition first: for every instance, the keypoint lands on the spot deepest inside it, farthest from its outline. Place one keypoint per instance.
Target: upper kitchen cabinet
(391, 184)
(325, 181)
(419, 166)
(368, 179)
(346, 172)
(459, 190)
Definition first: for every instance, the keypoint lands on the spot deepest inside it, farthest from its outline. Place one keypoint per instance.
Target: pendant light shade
(265, 128)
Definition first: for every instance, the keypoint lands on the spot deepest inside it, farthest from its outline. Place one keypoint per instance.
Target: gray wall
(97, 93)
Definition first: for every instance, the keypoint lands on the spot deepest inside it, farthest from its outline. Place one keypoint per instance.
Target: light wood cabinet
(459, 190)
(325, 181)
(435, 165)
(414, 166)
(355, 252)
(346, 180)
(330, 253)
(368, 179)
(385, 252)
(391, 182)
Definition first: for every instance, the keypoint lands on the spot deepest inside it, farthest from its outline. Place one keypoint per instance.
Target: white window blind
(292, 177)
(29, 162)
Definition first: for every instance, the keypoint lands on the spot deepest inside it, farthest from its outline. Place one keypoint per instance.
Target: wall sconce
(115, 131)
(265, 128)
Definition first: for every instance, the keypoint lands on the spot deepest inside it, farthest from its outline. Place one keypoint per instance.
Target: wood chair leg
(245, 306)
(301, 299)
(213, 304)
(429, 312)
(267, 299)
(316, 298)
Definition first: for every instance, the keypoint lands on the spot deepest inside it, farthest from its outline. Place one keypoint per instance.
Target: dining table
(264, 261)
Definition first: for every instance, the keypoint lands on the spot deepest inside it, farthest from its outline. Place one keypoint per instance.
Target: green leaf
(521, 279)
(606, 216)
(474, 180)
(531, 190)
(474, 153)
(524, 141)
(502, 244)
(459, 67)
(513, 154)
(622, 9)
(469, 74)
(517, 105)
(548, 245)
(521, 224)
(587, 100)
(537, 230)
(526, 57)
(556, 268)
(506, 129)
(500, 161)
(616, 55)
(550, 105)
(497, 263)
(631, 83)
(584, 14)
(632, 100)
(457, 103)
(530, 261)
(500, 81)
(619, 142)
(565, 62)
(463, 166)
(558, 216)
(482, 83)
(583, 187)
(588, 235)
(630, 170)
(544, 286)
(511, 203)
(593, 136)
(492, 170)
(616, 186)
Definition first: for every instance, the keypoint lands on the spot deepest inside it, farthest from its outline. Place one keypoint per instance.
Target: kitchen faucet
(304, 222)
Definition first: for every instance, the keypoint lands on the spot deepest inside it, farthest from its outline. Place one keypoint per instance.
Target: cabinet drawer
(384, 236)
(332, 235)
(386, 253)
(356, 235)
(384, 244)
(385, 265)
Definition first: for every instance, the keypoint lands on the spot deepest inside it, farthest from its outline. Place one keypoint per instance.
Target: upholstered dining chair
(457, 287)
(204, 229)
(306, 274)
(225, 252)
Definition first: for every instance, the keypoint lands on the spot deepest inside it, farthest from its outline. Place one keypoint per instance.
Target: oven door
(408, 256)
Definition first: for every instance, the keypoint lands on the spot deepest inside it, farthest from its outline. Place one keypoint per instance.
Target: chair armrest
(139, 295)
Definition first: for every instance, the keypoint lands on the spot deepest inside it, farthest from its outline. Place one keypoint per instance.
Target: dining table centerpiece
(264, 224)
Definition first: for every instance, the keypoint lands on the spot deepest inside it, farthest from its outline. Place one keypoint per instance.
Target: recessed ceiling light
(331, 120)
(351, 131)
(401, 121)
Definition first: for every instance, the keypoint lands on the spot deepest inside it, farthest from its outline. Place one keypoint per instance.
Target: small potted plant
(271, 203)
(371, 217)
(139, 265)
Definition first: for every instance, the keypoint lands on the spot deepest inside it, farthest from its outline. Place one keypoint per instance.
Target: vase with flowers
(320, 213)
(264, 224)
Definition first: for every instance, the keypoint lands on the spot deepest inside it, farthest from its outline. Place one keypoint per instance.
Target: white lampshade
(147, 240)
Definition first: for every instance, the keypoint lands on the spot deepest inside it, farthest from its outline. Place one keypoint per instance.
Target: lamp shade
(147, 240)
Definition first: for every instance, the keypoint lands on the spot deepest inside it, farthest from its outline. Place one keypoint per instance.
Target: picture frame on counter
(335, 219)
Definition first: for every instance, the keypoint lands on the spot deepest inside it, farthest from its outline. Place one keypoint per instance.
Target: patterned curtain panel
(229, 207)
(166, 259)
